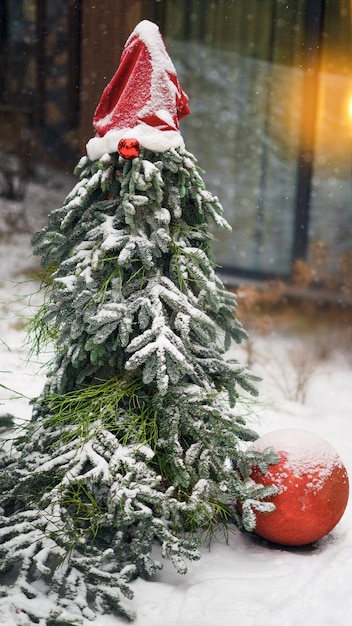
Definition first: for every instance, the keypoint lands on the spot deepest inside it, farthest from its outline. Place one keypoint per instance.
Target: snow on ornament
(129, 148)
(312, 485)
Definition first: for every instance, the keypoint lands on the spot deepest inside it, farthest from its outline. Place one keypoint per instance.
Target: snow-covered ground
(245, 580)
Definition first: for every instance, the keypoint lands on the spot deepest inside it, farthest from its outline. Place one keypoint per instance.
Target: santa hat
(143, 100)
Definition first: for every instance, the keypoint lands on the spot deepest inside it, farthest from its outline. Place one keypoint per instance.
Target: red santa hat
(144, 99)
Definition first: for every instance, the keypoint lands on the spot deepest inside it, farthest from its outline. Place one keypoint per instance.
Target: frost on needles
(138, 438)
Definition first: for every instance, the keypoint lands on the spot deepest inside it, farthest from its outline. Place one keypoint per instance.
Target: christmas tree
(138, 438)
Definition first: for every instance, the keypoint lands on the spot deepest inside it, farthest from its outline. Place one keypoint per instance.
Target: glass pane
(17, 53)
(240, 63)
(331, 206)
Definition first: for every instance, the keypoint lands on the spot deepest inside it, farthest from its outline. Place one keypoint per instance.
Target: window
(40, 70)
(265, 80)
(17, 54)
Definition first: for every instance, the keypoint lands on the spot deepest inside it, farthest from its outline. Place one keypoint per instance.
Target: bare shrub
(298, 370)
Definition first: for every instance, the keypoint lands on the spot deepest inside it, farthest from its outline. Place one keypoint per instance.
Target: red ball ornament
(312, 484)
(129, 148)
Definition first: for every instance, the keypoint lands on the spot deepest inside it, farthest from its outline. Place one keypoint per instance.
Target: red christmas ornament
(313, 487)
(129, 148)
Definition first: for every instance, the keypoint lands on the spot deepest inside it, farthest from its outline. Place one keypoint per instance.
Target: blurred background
(270, 88)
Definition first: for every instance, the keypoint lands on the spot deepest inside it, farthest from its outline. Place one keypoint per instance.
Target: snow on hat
(143, 100)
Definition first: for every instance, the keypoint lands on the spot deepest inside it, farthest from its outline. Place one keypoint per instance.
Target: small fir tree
(136, 438)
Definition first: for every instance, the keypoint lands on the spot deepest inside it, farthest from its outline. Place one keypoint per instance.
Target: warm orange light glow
(350, 108)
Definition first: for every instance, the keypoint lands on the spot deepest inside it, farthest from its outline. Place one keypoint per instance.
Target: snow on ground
(245, 580)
